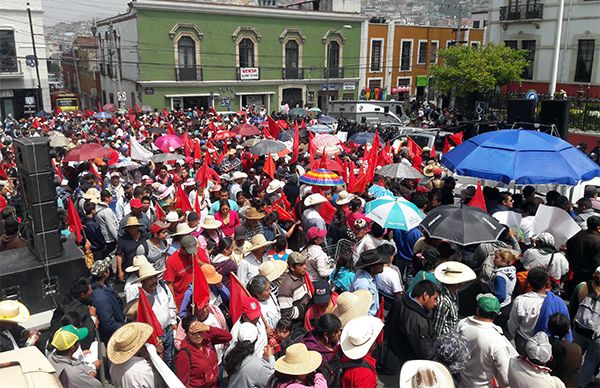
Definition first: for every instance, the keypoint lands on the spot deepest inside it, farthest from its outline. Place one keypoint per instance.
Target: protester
(529, 371)
(566, 356)
(296, 368)
(13, 335)
(244, 368)
(257, 254)
(293, 294)
(318, 264)
(324, 336)
(369, 265)
(357, 342)
(109, 307)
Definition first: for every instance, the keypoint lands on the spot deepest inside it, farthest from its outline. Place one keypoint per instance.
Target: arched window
(291, 54)
(186, 48)
(246, 49)
(333, 59)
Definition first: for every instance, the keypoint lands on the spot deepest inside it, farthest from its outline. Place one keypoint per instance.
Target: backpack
(587, 318)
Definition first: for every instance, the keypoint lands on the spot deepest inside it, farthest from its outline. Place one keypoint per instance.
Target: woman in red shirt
(196, 363)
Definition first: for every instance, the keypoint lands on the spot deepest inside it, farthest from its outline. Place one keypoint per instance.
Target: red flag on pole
(296, 144)
(160, 213)
(197, 151)
(200, 286)
(446, 146)
(75, 225)
(145, 314)
(457, 138)
(197, 204)
(269, 167)
(432, 153)
(327, 211)
(238, 294)
(181, 200)
(413, 147)
(478, 199)
(309, 285)
(274, 128)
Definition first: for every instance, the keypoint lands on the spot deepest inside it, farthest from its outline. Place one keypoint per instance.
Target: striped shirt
(293, 297)
(445, 317)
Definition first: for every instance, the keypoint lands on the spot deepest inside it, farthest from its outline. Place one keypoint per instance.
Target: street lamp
(327, 69)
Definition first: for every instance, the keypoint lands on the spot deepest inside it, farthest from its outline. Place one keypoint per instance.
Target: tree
(465, 69)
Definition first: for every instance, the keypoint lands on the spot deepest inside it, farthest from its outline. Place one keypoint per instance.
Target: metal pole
(554, 75)
(37, 68)
(458, 26)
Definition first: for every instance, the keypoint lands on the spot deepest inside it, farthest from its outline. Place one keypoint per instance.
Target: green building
(183, 54)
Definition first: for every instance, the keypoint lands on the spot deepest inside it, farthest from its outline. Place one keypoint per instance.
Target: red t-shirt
(179, 271)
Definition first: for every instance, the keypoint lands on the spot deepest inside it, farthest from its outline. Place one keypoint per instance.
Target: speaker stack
(521, 111)
(41, 214)
(556, 112)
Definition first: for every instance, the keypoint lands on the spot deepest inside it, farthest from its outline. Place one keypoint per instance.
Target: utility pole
(37, 67)
(554, 74)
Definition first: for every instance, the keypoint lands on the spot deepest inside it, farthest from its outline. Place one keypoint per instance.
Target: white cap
(539, 348)
(247, 332)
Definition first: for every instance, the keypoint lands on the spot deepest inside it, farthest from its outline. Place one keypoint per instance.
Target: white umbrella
(394, 213)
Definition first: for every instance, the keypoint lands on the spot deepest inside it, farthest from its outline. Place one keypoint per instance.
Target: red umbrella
(87, 151)
(330, 164)
(166, 142)
(109, 108)
(222, 135)
(246, 130)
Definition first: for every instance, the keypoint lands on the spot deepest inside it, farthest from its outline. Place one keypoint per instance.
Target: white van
(369, 112)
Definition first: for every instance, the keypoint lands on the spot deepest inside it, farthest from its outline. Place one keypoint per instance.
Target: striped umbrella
(325, 140)
(394, 213)
(322, 177)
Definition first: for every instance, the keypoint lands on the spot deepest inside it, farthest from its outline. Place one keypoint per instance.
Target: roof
(27, 368)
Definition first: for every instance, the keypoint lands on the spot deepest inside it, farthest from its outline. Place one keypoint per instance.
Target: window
(528, 45)
(246, 47)
(333, 59)
(511, 44)
(475, 44)
(476, 23)
(433, 49)
(291, 54)
(8, 52)
(186, 59)
(422, 54)
(585, 60)
(406, 55)
(375, 83)
(376, 54)
(450, 43)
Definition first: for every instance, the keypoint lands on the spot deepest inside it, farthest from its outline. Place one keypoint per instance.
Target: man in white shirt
(311, 216)
(490, 350)
(526, 309)
(248, 267)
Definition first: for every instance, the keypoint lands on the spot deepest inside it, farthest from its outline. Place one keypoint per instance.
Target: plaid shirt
(445, 317)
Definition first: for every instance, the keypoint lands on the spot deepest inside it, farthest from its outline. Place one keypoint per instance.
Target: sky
(56, 11)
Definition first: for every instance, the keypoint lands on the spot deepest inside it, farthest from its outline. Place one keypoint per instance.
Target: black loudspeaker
(44, 245)
(46, 216)
(32, 154)
(556, 112)
(521, 111)
(39, 187)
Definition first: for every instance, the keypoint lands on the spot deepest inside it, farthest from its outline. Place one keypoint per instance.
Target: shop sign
(349, 86)
(249, 73)
(329, 87)
(6, 93)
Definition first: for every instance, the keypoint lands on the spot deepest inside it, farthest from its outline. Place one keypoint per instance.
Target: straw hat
(132, 221)
(238, 175)
(359, 335)
(298, 361)
(93, 195)
(13, 311)
(351, 305)
(127, 341)
(146, 271)
(209, 222)
(428, 170)
(272, 269)
(454, 272)
(259, 241)
(344, 197)
(314, 199)
(172, 217)
(211, 274)
(137, 262)
(425, 374)
(253, 214)
(274, 185)
(183, 229)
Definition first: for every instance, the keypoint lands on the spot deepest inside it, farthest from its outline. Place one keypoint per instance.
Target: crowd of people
(303, 289)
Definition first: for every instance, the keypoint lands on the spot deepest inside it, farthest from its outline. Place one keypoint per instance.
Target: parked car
(27, 368)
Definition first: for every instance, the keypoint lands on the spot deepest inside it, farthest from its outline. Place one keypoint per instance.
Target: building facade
(19, 88)
(532, 26)
(399, 56)
(179, 54)
(80, 70)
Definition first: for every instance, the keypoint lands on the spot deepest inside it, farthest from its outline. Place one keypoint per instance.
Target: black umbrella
(289, 134)
(362, 138)
(265, 147)
(461, 224)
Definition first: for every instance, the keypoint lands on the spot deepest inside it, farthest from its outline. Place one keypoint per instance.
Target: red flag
(361, 182)
(94, 171)
(170, 129)
(296, 144)
(413, 147)
(75, 225)
(145, 314)
(309, 285)
(274, 128)
(446, 146)
(57, 170)
(269, 167)
(432, 153)
(197, 151)
(457, 138)
(160, 213)
(327, 212)
(237, 295)
(478, 199)
(381, 315)
(284, 215)
(351, 177)
(312, 149)
(266, 133)
(197, 204)
(181, 200)
(165, 113)
(323, 160)
(200, 287)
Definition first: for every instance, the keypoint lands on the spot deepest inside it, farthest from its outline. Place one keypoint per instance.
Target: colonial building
(180, 54)
(532, 26)
(399, 56)
(80, 71)
(19, 87)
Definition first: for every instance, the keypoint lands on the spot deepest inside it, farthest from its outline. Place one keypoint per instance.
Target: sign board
(30, 106)
(422, 80)
(4, 93)
(531, 95)
(121, 96)
(249, 73)
(480, 107)
(349, 86)
(326, 87)
(225, 102)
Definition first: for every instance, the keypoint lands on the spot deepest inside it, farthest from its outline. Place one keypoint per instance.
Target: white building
(532, 26)
(19, 87)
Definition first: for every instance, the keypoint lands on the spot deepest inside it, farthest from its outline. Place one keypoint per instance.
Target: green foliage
(465, 69)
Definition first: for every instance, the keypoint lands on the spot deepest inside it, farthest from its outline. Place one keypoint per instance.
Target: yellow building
(407, 66)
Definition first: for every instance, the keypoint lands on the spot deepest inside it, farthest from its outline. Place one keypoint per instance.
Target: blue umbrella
(522, 156)
(377, 191)
(43, 114)
(394, 213)
(362, 138)
(103, 115)
(320, 128)
(326, 120)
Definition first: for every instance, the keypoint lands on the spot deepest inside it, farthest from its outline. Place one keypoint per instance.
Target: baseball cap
(190, 244)
(322, 291)
(295, 258)
(315, 232)
(67, 336)
(100, 266)
(247, 332)
(539, 348)
(488, 303)
(251, 307)
(115, 174)
(240, 233)
(135, 203)
(158, 226)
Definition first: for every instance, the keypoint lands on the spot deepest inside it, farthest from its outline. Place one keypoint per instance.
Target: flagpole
(193, 283)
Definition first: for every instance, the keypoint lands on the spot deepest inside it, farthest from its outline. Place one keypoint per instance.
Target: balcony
(188, 73)
(10, 67)
(514, 13)
(333, 72)
(292, 73)
(248, 73)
